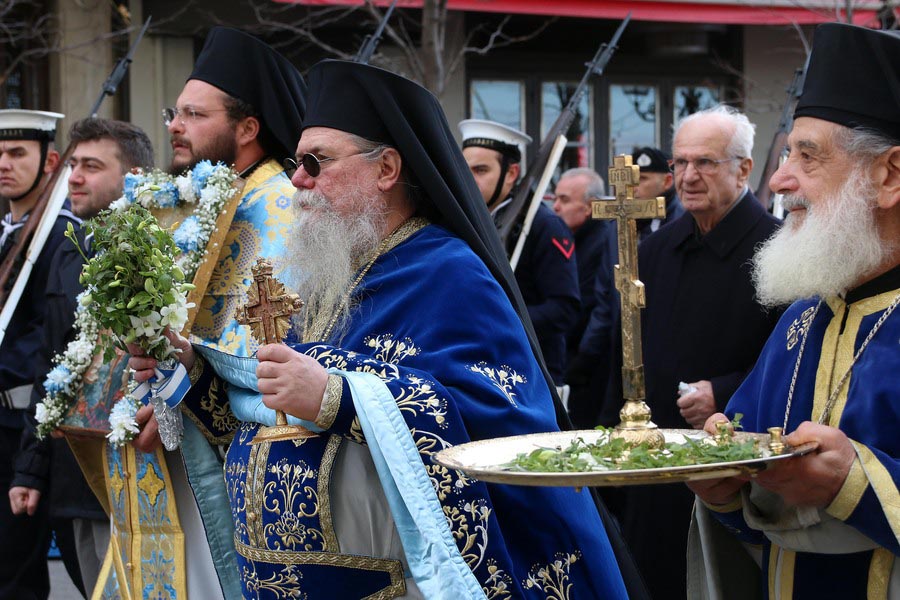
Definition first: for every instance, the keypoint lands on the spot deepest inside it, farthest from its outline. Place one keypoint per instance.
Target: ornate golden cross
(268, 314)
(625, 209)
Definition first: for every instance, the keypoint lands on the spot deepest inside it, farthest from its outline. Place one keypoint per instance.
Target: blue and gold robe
(850, 548)
(438, 332)
(150, 529)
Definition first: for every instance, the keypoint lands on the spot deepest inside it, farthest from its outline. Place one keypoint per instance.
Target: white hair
(741, 144)
(596, 187)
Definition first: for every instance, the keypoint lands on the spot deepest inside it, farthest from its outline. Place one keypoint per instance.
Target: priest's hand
(815, 478)
(697, 406)
(148, 439)
(291, 382)
(717, 491)
(23, 500)
(143, 365)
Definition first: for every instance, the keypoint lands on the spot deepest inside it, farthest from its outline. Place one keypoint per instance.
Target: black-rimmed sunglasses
(311, 163)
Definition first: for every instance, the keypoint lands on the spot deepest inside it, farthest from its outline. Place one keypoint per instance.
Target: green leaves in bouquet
(132, 279)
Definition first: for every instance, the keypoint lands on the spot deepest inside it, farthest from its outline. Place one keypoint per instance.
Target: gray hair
(741, 144)
(414, 194)
(596, 187)
(863, 144)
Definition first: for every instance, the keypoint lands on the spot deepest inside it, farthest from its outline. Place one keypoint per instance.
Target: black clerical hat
(244, 67)
(854, 78)
(381, 106)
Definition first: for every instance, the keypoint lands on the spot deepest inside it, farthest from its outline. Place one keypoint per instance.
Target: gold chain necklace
(832, 398)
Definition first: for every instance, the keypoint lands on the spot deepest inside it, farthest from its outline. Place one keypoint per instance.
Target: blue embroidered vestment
(436, 328)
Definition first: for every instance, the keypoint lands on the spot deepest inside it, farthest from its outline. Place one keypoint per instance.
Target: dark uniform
(547, 275)
(42, 462)
(23, 567)
(587, 372)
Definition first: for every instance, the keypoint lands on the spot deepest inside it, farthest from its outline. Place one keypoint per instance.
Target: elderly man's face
(345, 176)
(815, 169)
(570, 203)
(708, 195)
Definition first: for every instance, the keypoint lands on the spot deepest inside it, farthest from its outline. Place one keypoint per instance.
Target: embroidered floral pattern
(389, 350)
(469, 525)
(284, 584)
(553, 579)
(799, 327)
(498, 584)
(504, 378)
(292, 496)
(219, 409)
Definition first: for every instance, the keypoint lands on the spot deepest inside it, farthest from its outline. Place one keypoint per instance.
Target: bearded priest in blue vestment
(414, 338)
(826, 524)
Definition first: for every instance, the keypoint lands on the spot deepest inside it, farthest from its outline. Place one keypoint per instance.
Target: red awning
(750, 12)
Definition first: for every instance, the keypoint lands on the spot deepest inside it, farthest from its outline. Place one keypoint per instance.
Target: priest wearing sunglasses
(413, 338)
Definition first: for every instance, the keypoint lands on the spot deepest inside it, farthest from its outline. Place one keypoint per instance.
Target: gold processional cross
(635, 425)
(268, 314)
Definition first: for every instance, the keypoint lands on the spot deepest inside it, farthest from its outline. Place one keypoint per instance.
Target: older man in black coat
(702, 326)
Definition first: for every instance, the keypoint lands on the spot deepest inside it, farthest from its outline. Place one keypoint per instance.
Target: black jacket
(547, 275)
(49, 464)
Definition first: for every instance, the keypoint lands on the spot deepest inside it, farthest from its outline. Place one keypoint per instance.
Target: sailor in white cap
(546, 272)
(27, 159)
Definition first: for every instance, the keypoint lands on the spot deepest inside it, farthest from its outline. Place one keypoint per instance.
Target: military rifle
(537, 178)
(371, 41)
(778, 149)
(37, 228)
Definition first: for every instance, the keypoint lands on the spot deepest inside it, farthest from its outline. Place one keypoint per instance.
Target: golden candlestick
(268, 314)
(635, 426)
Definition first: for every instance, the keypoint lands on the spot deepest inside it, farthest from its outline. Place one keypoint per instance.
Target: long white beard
(825, 255)
(324, 249)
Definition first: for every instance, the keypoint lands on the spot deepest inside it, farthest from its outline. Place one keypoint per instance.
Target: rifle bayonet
(370, 43)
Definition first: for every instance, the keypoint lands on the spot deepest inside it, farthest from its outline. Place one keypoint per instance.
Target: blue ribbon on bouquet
(169, 382)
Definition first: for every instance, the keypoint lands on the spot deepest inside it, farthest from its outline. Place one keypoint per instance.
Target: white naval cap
(496, 136)
(18, 124)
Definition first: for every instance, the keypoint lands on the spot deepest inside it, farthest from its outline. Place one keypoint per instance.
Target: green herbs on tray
(614, 454)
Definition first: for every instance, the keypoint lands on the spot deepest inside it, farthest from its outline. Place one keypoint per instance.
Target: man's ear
(52, 161)
(390, 166)
(745, 169)
(512, 175)
(668, 180)
(887, 178)
(247, 130)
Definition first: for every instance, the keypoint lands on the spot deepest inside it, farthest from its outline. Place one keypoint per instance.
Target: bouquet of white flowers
(136, 283)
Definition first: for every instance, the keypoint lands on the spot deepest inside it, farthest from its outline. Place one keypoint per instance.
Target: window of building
(633, 118)
(497, 100)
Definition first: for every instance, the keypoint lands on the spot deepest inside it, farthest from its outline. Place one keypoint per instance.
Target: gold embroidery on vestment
(800, 327)
(393, 568)
(326, 468)
(504, 378)
(553, 578)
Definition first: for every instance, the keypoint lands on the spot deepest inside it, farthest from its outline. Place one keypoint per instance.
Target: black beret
(853, 78)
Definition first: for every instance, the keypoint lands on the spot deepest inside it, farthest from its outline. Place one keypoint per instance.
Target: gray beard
(825, 255)
(324, 251)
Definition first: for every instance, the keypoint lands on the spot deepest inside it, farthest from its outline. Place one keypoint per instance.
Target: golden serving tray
(484, 460)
